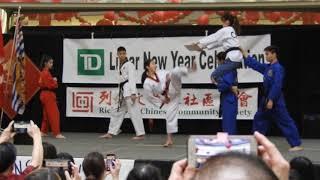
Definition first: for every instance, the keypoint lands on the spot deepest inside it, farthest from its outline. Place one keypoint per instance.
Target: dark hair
(66, 156)
(43, 173)
(251, 166)
(233, 20)
(144, 74)
(272, 49)
(304, 167)
(93, 165)
(49, 151)
(44, 59)
(221, 56)
(121, 48)
(8, 154)
(145, 172)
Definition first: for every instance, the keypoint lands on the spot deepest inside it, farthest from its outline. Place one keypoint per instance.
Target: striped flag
(18, 100)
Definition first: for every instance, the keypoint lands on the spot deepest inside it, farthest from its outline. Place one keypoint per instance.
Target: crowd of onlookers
(268, 165)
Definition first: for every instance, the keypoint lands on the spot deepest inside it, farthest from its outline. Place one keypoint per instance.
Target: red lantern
(104, 22)
(32, 16)
(63, 16)
(45, 19)
(209, 12)
(307, 18)
(175, 1)
(143, 13)
(220, 13)
(286, 14)
(56, 1)
(272, 16)
(252, 16)
(110, 15)
(317, 17)
(203, 19)
(158, 16)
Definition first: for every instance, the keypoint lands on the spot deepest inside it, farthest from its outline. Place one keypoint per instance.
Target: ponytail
(233, 20)
(144, 76)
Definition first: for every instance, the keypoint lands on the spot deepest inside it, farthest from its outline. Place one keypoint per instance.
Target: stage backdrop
(95, 60)
(195, 103)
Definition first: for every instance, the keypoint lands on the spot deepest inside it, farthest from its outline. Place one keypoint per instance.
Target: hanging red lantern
(317, 17)
(110, 15)
(104, 22)
(272, 16)
(203, 19)
(32, 16)
(209, 12)
(175, 1)
(307, 18)
(143, 13)
(45, 19)
(158, 16)
(63, 16)
(286, 14)
(252, 16)
(220, 13)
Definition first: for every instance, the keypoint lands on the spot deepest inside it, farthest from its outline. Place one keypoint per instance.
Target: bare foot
(138, 137)
(296, 148)
(168, 144)
(44, 134)
(108, 136)
(60, 136)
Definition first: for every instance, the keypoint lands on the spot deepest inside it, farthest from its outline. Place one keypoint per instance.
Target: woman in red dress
(51, 115)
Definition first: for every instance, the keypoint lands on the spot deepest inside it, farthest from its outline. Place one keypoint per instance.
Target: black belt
(233, 49)
(121, 93)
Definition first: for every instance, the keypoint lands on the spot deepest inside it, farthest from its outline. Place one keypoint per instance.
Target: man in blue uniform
(228, 98)
(272, 105)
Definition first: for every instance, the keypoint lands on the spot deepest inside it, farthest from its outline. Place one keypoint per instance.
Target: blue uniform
(273, 75)
(228, 102)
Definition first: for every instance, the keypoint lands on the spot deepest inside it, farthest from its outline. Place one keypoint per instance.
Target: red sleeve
(46, 81)
(27, 171)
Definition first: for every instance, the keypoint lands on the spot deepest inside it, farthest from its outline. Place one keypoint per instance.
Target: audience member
(145, 172)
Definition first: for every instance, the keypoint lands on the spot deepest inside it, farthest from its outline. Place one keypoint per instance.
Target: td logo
(91, 62)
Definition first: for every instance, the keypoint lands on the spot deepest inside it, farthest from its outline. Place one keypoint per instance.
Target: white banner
(126, 165)
(95, 60)
(195, 103)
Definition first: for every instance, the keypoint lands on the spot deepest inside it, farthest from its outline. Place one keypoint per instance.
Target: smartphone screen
(200, 148)
(110, 160)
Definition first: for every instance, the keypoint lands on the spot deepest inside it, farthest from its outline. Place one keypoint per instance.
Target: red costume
(1, 85)
(51, 113)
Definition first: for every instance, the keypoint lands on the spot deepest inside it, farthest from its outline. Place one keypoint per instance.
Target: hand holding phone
(110, 161)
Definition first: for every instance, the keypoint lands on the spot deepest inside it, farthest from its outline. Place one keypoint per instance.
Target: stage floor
(79, 144)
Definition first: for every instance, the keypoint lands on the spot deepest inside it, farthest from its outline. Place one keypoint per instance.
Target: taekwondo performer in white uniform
(163, 89)
(227, 37)
(128, 101)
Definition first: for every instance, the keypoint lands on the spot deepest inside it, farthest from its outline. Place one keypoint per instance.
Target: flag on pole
(18, 99)
(1, 67)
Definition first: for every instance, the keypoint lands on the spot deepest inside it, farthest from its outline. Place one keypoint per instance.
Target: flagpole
(12, 50)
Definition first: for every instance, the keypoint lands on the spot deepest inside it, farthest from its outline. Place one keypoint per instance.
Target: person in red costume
(51, 115)
(1, 83)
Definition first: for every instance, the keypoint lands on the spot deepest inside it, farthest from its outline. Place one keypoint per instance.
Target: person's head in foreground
(302, 167)
(94, 166)
(235, 166)
(8, 155)
(145, 172)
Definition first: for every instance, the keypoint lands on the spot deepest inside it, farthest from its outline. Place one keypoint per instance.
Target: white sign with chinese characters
(95, 60)
(194, 104)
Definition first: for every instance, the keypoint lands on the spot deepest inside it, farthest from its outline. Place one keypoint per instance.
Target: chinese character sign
(194, 103)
